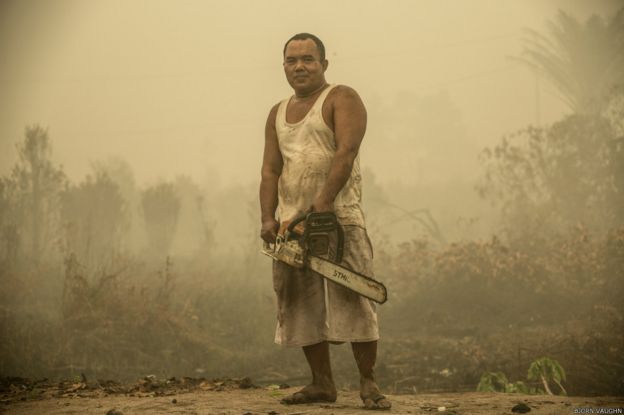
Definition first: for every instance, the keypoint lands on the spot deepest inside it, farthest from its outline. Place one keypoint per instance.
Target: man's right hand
(268, 233)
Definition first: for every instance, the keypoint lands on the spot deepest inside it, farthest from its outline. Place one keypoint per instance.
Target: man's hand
(268, 233)
(321, 204)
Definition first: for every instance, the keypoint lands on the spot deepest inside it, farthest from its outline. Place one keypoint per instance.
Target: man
(311, 164)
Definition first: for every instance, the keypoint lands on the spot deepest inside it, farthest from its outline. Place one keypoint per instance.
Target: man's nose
(299, 64)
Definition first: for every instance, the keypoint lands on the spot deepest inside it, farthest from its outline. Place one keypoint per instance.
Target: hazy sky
(184, 87)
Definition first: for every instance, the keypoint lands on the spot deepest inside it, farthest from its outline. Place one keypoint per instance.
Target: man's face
(303, 67)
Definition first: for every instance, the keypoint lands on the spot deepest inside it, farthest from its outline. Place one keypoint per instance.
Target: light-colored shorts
(311, 309)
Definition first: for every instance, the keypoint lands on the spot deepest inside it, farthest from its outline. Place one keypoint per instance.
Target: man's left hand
(322, 205)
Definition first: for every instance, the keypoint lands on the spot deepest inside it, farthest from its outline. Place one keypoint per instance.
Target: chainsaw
(309, 245)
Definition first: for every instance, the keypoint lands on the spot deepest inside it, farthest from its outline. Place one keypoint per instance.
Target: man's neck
(302, 95)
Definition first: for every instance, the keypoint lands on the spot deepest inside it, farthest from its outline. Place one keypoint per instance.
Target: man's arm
(349, 120)
(272, 164)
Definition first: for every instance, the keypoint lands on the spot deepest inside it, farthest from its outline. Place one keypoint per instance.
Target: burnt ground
(242, 397)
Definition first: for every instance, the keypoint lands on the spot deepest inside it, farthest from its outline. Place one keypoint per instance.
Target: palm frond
(583, 61)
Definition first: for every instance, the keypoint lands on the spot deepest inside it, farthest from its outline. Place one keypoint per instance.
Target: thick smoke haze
(493, 188)
(184, 87)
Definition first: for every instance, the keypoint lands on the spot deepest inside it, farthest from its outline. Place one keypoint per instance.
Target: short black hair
(304, 36)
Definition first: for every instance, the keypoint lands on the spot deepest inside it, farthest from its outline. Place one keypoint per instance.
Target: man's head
(303, 36)
(305, 63)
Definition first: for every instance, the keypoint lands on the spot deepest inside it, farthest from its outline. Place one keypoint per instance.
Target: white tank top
(308, 148)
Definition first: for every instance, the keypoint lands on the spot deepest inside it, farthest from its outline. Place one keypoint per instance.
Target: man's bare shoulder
(344, 98)
(343, 94)
(273, 114)
(274, 109)
(343, 91)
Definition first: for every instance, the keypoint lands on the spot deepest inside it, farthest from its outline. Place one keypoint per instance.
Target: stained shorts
(311, 309)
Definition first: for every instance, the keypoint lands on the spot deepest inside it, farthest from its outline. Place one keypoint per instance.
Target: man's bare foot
(372, 397)
(311, 393)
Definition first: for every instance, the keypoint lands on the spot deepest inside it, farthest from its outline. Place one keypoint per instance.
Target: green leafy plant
(498, 382)
(543, 369)
(546, 369)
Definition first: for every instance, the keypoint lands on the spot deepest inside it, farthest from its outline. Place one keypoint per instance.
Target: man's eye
(308, 59)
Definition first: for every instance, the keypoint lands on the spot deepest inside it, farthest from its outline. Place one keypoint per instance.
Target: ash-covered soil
(242, 397)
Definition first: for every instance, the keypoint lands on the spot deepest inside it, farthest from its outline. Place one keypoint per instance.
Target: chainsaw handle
(338, 227)
(296, 221)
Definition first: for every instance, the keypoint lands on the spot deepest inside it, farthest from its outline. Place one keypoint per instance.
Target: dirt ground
(246, 399)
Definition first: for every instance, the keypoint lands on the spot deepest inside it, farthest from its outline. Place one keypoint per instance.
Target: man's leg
(365, 354)
(322, 388)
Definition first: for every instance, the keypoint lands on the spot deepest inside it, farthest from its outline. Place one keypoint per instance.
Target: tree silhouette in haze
(31, 196)
(161, 207)
(93, 214)
(572, 171)
(583, 61)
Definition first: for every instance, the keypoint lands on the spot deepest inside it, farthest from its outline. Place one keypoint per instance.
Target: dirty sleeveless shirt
(307, 149)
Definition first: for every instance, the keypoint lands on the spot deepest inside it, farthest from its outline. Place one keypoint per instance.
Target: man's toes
(295, 398)
(384, 404)
(308, 396)
(378, 402)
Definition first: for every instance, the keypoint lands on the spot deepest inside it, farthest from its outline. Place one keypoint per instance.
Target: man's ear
(325, 64)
